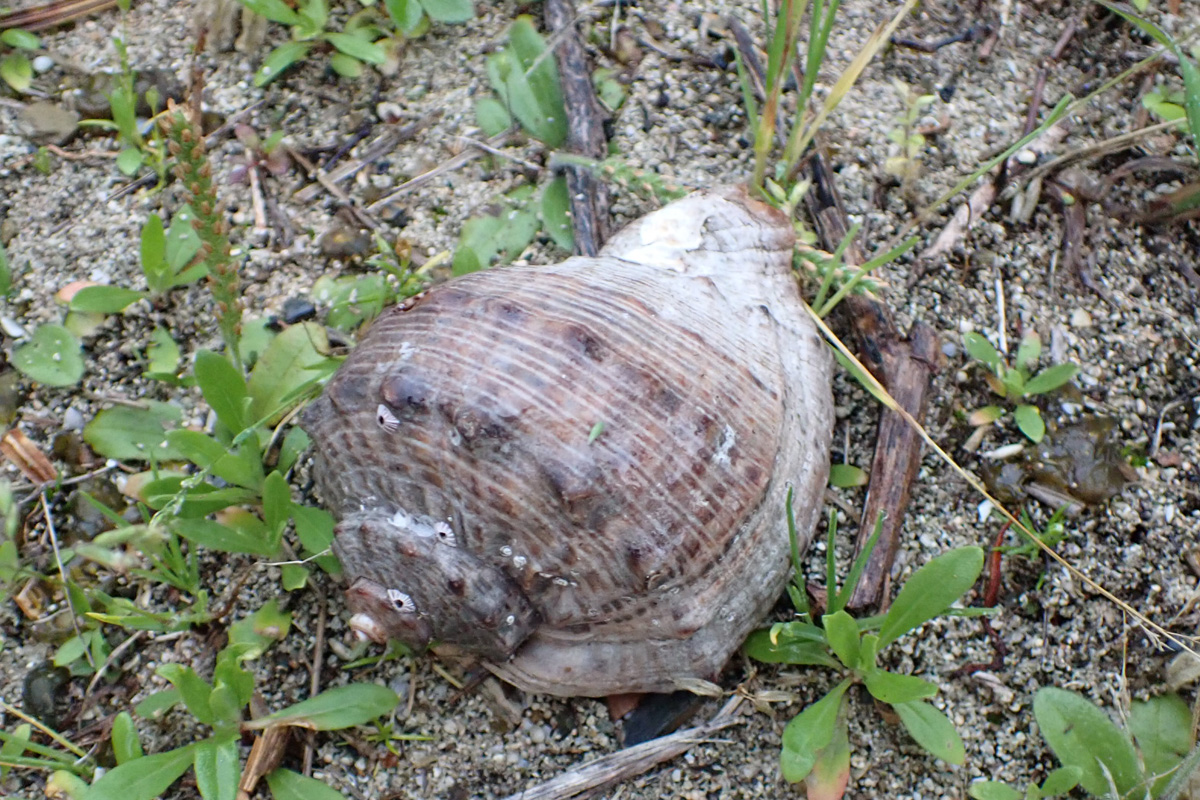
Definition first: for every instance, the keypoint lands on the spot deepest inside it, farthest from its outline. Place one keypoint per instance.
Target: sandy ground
(1136, 339)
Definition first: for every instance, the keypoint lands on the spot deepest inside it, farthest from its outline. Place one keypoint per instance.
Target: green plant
(53, 356)
(1018, 382)
(353, 300)
(815, 743)
(15, 68)
(1146, 758)
(906, 164)
(525, 79)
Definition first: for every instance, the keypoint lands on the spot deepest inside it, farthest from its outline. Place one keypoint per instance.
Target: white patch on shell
(445, 533)
(386, 419)
(407, 351)
(506, 551)
(402, 519)
(725, 447)
(365, 627)
(676, 230)
(520, 561)
(401, 601)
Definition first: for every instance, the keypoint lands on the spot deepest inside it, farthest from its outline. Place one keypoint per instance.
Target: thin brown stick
(50, 14)
(314, 674)
(585, 130)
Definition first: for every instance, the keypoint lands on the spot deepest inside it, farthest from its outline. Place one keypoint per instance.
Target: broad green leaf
(357, 47)
(242, 536)
(51, 356)
(406, 14)
(346, 66)
(288, 785)
(218, 767)
(233, 685)
(223, 388)
(449, 10)
(556, 214)
(888, 687)
(810, 731)
(293, 577)
(255, 633)
(15, 37)
(130, 160)
(993, 790)
(126, 746)
(128, 434)
(279, 60)
(842, 633)
(162, 356)
(183, 242)
(241, 467)
(831, 772)
(1029, 422)
(295, 442)
(845, 476)
(104, 299)
(759, 647)
(1083, 736)
(334, 709)
(277, 505)
(1028, 351)
(492, 116)
(932, 730)
(17, 71)
(14, 746)
(142, 779)
(154, 255)
(314, 529)
(294, 359)
(1061, 781)
(980, 349)
(194, 689)
(476, 244)
(274, 10)
(539, 72)
(1051, 378)
(158, 703)
(1162, 729)
(930, 591)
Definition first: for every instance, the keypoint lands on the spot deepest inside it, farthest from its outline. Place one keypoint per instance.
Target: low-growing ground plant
(15, 67)
(1017, 383)
(816, 747)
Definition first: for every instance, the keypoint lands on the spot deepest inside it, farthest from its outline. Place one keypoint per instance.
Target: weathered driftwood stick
(904, 366)
(585, 129)
(630, 762)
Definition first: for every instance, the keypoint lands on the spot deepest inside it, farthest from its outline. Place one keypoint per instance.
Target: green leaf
(158, 703)
(357, 47)
(293, 576)
(294, 359)
(126, 433)
(406, 14)
(1051, 378)
(255, 633)
(1083, 736)
(14, 746)
(194, 690)
(277, 505)
(980, 349)
(334, 709)
(1061, 781)
(126, 746)
(1162, 729)
(759, 647)
(932, 730)
(288, 785)
(142, 779)
(845, 476)
(17, 71)
(279, 60)
(129, 160)
(1029, 421)
(1028, 351)
(274, 10)
(492, 116)
(993, 790)
(104, 299)
(930, 591)
(295, 442)
(51, 356)
(223, 388)
(218, 768)
(346, 66)
(888, 687)
(162, 356)
(528, 83)
(808, 732)
(449, 10)
(842, 632)
(5, 272)
(556, 214)
(240, 538)
(182, 245)
(241, 467)
(314, 529)
(831, 772)
(154, 255)
(24, 40)
(476, 244)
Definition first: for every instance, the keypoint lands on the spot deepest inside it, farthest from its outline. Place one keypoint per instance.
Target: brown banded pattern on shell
(647, 550)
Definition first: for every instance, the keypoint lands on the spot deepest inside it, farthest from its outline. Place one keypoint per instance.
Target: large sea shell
(578, 472)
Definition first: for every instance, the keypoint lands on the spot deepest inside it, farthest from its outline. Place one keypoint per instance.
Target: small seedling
(525, 79)
(906, 164)
(361, 40)
(15, 67)
(502, 236)
(1018, 382)
(1146, 759)
(815, 743)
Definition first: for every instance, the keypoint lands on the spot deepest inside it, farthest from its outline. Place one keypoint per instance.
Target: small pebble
(43, 64)
(1081, 319)
(298, 309)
